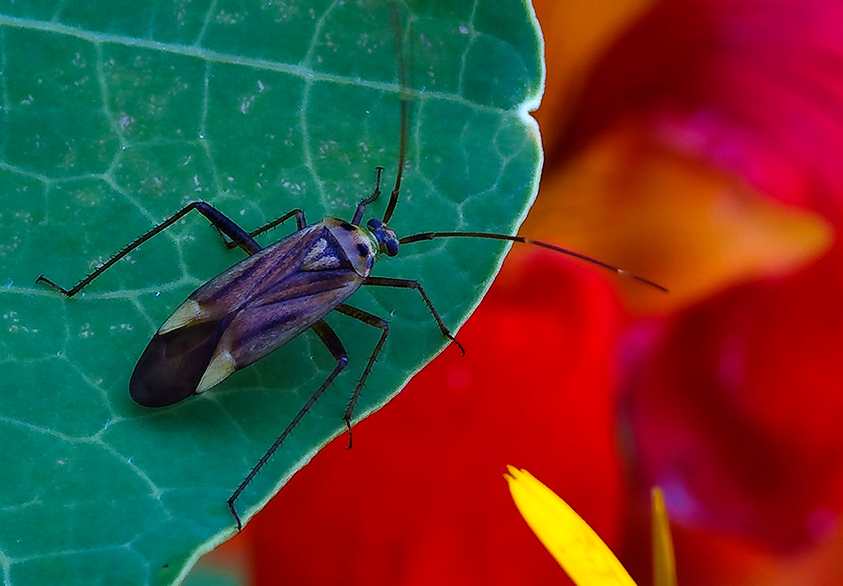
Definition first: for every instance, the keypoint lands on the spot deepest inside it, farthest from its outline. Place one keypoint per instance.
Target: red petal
(420, 498)
(737, 411)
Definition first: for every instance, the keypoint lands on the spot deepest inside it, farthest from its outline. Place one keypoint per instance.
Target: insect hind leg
(328, 337)
(218, 220)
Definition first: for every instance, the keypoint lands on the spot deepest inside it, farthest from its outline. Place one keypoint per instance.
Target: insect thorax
(359, 245)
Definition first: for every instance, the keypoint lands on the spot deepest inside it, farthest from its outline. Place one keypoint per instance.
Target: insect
(277, 293)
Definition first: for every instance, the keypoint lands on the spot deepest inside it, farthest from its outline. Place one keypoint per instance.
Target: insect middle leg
(218, 220)
(328, 337)
(412, 284)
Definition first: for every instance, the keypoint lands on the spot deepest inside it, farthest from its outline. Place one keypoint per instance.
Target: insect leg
(334, 345)
(372, 320)
(411, 284)
(301, 223)
(361, 207)
(219, 220)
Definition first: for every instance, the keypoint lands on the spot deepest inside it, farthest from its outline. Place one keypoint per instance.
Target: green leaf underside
(117, 114)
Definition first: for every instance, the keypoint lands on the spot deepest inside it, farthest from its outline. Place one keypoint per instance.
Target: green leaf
(114, 116)
(207, 575)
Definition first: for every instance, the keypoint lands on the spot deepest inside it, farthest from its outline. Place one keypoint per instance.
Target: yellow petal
(664, 563)
(569, 539)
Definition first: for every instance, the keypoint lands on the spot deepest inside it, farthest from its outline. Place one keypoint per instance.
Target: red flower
(716, 128)
(420, 498)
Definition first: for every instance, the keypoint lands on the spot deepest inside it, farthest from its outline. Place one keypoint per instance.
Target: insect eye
(385, 236)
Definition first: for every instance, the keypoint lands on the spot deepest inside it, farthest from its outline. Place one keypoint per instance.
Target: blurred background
(696, 143)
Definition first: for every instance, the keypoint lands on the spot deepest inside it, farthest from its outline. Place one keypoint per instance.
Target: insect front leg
(372, 320)
(219, 220)
(361, 207)
(332, 342)
(412, 284)
(301, 223)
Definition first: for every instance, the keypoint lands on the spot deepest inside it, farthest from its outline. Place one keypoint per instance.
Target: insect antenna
(405, 115)
(402, 151)
(422, 236)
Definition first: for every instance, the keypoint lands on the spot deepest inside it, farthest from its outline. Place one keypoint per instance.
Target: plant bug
(277, 293)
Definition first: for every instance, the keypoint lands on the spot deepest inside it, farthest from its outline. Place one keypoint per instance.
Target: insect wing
(173, 363)
(243, 314)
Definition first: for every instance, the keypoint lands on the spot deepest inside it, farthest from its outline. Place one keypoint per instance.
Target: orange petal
(576, 33)
(630, 202)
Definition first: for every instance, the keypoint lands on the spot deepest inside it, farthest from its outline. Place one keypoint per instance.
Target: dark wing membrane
(173, 363)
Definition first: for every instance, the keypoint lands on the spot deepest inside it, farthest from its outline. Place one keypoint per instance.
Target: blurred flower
(677, 156)
(702, 150)
(697, 145)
